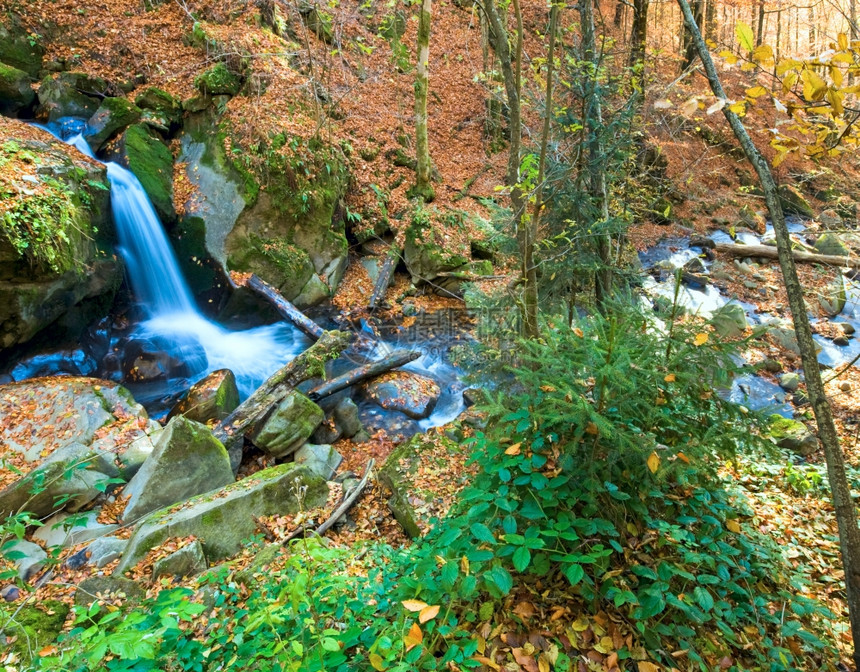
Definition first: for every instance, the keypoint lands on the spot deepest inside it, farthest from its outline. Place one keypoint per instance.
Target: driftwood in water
(769, 252)
(392, 361)
(284, 307)
(307, 365)
(384, 278)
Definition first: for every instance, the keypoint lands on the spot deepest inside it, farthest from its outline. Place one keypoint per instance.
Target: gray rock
(15, 90)
(847, 328)
(56, 482)
(289, 426)
(333, 272)
(410, 393)
(213, 398)
(789, 382)
(730, 321)
(187, 461)
(831, 243)
(346, 418)
(752, 219)
(830, 219)
(105, 550)
(19, 49)
(104, 588)
(187, 561)
(794, 203)
(785, 337)
(113, 115)
(28, 557)
(371, 265)
(696, 266)
(832, 300)
(322, 460)
(72, 94)
(65, 530)
(313, 293)
(426, 254)
(224, 518)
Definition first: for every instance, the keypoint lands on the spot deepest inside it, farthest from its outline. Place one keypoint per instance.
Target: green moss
(19, 48)
(35, 627)
(218, 80)
(286, 266)
(152, 163)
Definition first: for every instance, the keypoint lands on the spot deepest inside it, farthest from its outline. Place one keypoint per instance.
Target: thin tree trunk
(638, 37)
(689, 49)
(711, 20)
(596, 164)
(618, 19)
(843, 505)
(759, 33)
(384, 278)
(284, 307)
(811, 29)
(422, 189)
(362, 373)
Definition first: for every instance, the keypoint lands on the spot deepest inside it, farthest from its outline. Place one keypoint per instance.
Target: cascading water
(173, 323)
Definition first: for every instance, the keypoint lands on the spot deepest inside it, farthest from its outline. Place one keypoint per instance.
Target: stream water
(177, 342)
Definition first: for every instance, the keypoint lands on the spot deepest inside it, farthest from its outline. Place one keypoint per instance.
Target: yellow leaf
(756, 91)
(786, 65)
(653, 462)
(580, 624)
(746, 67)
(428, 613)
(414, 637)
(632, 529)
(414, 605)
(842, 38)
(377, 662)
(730, 58)
(543, 664)
(683, 458)
(814, 86)
(591, 428)
(738, 108)
(514, 449)
(486, 661)
(464, 565)
(578, 332)
(745, 36)
(700, 339)
(645, 666)
(547, 388)
(835, 99)
(670, 378)
(789, 82)
(763, 54)
(733, 526)
(836, 75)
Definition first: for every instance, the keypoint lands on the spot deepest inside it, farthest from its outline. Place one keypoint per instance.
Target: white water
(174, 323)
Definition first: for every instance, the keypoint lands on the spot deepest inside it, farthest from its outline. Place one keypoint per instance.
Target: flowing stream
(173, 324)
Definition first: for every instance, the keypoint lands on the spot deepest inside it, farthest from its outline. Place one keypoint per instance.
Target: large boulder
(19, 48)
(223, 519)
(56, 257)
(61, 439)
(160, 110)
(15, 90)
(794, 203)
(288, 426)
(792, 434)
(409, 393)
(832, 244)
(64, 529)
(187, 461)
(143, 152)
(730, 321)
(211, 399)
(113, 115)
(427, 253)
(72, 94)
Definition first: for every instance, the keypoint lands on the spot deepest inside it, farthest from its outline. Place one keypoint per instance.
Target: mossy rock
(283, 265)
(150, 160)
(831, 243)
(730, 321)
(426, 253)
(113, 115)
(394, 475)
(218, 80)
(34, 627)
(15, 90)
(213, 398)
(20, 49)
(288, 426)
(393, 26)
(319, 22)
(72, 94)
(792, 434)
(794, 203)
(162, 103)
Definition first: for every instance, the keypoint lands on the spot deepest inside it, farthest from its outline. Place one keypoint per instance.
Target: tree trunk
(638, 36)
(811, 29)
(759, 33)
(711, 20)
(422, 189)
(769, 252)
(593, 119)
(307, 365)
(618, 19)
(284, 307)
(689, 49)
(357, 375)
(384, 278)
(843, 505)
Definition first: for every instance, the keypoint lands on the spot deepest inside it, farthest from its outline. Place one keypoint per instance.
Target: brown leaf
(428, 613)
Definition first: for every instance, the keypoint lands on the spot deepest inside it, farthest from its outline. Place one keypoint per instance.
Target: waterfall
(174, 324)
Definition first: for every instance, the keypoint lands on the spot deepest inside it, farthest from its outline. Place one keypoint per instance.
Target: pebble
(845, 386)
(10, 593)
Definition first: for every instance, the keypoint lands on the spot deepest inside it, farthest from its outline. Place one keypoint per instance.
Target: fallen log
(357, 375)
(348, 502)
(384, 278)
(307, 365)
(769, 252)
(286, 309)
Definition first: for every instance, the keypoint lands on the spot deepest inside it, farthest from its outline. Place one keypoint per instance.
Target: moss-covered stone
(218, 80)
(152, 163)
(283, 265)
(394, 475)
(425, 253)
(162, 103)
(34, 627)
(223, 519)
(792, 434)
(19, 48)
(794, 203)
(213, 398)
(288, 426)
(72, 94)
(831, 243)
(113, 115)
(15, 90)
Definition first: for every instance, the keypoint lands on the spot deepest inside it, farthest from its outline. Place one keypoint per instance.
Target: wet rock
(213, 398)
(695, 266)
(105, 550)
(794, 203)
(162, 106)
(72, 94)
(70, 530)
(426, 254)
(792, 435)
(784, 336)
(730, 321)
(847, 328)
(845, 386)
(15, 90)
(752, 219)
(832, 298)
(28, 557)
(19, 48)
(831, 243)
(321, 460)
(409, 393)
(789, 381)
(830, 219)
(398, 426)
(841, 341)
(10, 593)
(113, 115)
(346, 418)
(146, 361)
(313, 293)
(288, 426)
(187, 461)
(223, 519)
(187, 561)
(107, 588)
